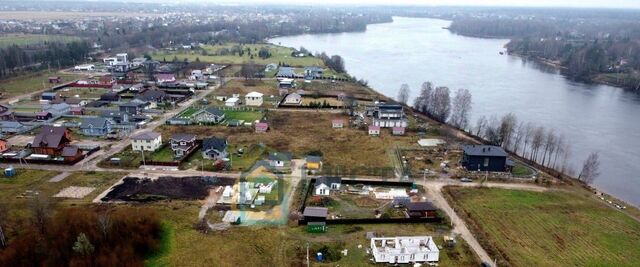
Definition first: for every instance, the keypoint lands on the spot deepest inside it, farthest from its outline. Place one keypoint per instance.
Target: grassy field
(213, 55)
(163, 154)
(33, 82)
(279, 246)
(557, 228)
(242, 87)
(347, 149)
(15, 192)
(248, 116)
(29, 39)
(83, 93)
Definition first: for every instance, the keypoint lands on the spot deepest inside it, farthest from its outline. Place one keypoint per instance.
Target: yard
(83, 93)
(324, 87)
(280, 246)
(215, 54)
(349, 206)
(32, 82)
(555, 228)
(247, 116)
(346, 151)
(242, 87)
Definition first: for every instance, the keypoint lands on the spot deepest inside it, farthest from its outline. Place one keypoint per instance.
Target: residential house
(315, 214)
(261, 127)
(397, 130)
(286, 72)
(337, 123)
(404, 250)
(4, 145)
(280, 160)
(183, 144)
(214, 148)
(51, 140)
(55, 79)
(253, 99)
(115, 116)
(313, 72)
(97, 126)
(43, 116)
(155, 96)
(389, 115)
(232, 102)
(422, 209)
(374, 130)
(49, 96)
(110, 97)
(12, 127)
(484, 158)
(57, 109)
(270, 67)
(6, 113)
(293, 99)
(313, 162)
(196, 75)
(286, 83)
(78, 111)
(146, 141)
(71, 153)
(209, 115)
(133, 107)
(324, 185)
(165, 78)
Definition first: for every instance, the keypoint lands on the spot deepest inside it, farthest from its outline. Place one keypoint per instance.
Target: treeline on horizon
(587, 46)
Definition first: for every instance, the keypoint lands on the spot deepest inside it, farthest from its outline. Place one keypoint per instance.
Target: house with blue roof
(98, 127)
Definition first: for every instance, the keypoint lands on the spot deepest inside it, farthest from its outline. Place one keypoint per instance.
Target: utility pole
(143, 162)
(308, 265)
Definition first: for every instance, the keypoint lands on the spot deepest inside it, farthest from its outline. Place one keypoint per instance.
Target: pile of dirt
(147, 190)
(365, 202)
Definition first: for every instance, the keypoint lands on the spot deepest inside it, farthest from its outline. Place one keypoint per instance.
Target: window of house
(486, 162)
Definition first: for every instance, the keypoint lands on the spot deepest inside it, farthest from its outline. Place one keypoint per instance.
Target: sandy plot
(75, 192)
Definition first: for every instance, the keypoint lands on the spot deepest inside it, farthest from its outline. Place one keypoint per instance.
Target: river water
(413, 50)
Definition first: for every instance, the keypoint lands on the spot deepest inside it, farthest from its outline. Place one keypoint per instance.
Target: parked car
(466, 180)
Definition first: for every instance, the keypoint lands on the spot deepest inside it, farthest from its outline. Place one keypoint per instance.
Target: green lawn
(557, 228)
(251, 155)
(521, 170)
(32, 82)
(163, 154)
(278, 54)
(29, 39)
(247, 116)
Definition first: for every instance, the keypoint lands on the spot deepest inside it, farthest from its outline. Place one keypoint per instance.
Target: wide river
(413, 50)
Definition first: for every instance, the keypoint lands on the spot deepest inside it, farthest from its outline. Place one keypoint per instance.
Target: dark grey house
(98, 127)
(484, 158)
(214, 148)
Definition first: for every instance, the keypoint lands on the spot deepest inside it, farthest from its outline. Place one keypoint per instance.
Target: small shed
(43, 115)
(374, 130)
(55, 79)
(316, 227)
(261, 127)
(77, 111)
(315, 214)
(397, 130)
(337, 123)
(422, 209)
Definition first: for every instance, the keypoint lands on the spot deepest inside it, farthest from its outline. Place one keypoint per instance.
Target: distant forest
(589, 45)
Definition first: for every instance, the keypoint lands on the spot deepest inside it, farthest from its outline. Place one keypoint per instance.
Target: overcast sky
(538, 3)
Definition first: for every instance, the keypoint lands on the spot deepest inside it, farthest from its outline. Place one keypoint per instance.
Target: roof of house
(314, 159)
(43, 113)
(132, 104)
(70, 151)
(58, 107)
(165, 77)
(280, 156)
(313, 68)
(373, 127)
(110, 96)
(214, 143)
(146, 136)
(262, 125)
(10, 124)
(420, 206)
(327, 180)
(152, 95)
(232, 100)
(49, 136)
(315, 212)
(397, 129)
(286, 71)
(212, 110)
(76, 109)
(97, 122)
(484, 150)
(293, 96)
(49, 94)
(183, 137)
(254, 94)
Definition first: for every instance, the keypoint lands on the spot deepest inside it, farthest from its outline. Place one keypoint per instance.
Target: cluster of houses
(182, 144)
(252, 99)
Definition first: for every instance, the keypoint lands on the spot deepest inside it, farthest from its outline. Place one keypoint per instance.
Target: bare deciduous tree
(460, 109)
(403, 94)
(481, 125)
(590, 168)
(518, 137)
(536, 142)
(507, 126)
(441, 104)
(423, 102)
(40, 209)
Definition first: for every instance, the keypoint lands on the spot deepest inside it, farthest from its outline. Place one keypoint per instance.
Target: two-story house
(146, 141)
(99, 126)
(183, 144)
(389, 116)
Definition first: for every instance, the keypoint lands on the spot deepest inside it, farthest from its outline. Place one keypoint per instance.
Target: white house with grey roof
(253, 99)
(146, 141)
(208, 116)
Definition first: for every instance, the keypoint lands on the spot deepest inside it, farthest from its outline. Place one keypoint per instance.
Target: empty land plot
(555, 228)
(222, 54)
(305, 132)
(74, 192)
(280, 246)
(242, 87)
(33, 82)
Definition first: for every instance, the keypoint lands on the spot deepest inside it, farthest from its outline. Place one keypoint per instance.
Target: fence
(378, 221)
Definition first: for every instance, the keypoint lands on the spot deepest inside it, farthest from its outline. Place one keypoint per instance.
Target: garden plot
(437, 159)
(75, 192)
